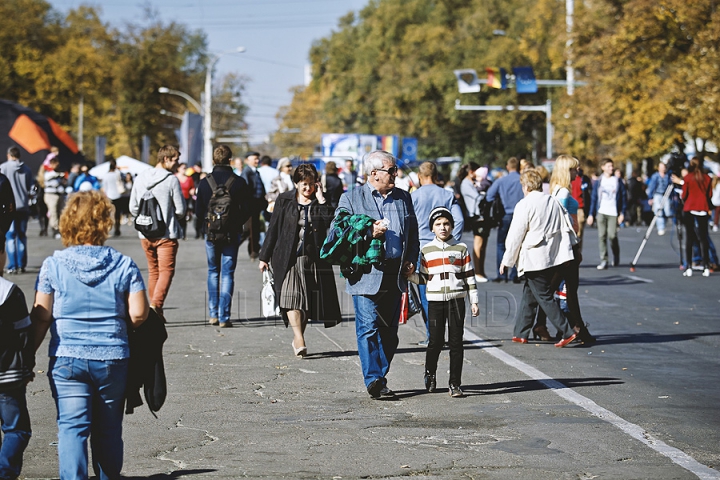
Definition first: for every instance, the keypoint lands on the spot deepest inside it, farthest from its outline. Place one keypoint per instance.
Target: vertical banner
(525, 80)
(409, 150)
(496, 78)
(389, 143)
(145, 149)
(191, 139)
(100, 145)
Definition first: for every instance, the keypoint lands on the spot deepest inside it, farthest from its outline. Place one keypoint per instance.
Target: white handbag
(267, 296)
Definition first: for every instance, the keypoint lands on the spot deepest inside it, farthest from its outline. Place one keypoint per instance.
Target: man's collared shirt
(389, 210)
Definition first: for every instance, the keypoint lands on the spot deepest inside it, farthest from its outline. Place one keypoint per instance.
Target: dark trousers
(570, 272)
(538, 291)
(502, 234)
(251, 232)
(452, 312)
(696, 230)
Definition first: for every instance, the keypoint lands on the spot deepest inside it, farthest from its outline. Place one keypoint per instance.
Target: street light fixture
(184, 95)
(207, 130)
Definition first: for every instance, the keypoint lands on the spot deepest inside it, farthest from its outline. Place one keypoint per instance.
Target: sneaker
(423, 343)
(715, 228)
(213, 321)
(661, 233)
(455, 391)
(481, 279)
(603, 265)
(706, 272)
(430, 382)
(687, 272)
(227, 324)
(10, 271)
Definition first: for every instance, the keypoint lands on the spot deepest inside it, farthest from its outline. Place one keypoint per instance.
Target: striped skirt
(299, 283)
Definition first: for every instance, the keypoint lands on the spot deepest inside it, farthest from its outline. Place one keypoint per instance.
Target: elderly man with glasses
(377, 291)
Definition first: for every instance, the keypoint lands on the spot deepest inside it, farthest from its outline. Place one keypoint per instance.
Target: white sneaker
(661, 233)
(687, 272)
(706, 272)
(603, 265)
(480, 279)
(715, 228)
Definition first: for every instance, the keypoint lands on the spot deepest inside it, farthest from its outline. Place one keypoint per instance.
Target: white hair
(374, 160)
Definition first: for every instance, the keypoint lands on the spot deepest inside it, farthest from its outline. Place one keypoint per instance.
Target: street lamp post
(207, 124)
(184, 95)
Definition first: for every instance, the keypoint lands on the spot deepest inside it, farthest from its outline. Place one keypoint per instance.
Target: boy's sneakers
(706, 272)
(455, 391)
(430, 383)
(687, 272)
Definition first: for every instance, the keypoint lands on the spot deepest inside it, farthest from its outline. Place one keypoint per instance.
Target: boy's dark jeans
(15, 431)
(452, 312)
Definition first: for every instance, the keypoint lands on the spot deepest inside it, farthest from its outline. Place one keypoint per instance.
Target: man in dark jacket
(21, 179)
(17, 359)
(222, 256)
(257, 190)
(333, 184)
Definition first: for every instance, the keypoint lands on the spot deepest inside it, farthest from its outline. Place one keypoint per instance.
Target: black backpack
(149, 220)
(491, 213)
(217, 218)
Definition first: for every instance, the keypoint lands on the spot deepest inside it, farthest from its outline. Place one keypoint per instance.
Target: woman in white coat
(539, 241)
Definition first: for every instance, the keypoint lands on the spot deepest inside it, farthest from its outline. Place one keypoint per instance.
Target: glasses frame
(388, 170)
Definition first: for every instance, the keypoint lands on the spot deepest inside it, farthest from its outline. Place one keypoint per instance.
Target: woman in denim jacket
(84, 295)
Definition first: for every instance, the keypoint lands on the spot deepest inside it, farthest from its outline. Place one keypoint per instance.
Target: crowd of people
(385, 234)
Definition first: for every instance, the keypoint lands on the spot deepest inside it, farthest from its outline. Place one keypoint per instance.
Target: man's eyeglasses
(389, 171)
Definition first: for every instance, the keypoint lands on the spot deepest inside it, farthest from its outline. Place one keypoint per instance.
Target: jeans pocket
(61, 368)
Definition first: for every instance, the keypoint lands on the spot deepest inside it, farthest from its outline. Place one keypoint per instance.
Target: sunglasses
(389, 171)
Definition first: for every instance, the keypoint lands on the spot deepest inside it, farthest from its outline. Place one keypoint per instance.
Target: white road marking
(677, 456)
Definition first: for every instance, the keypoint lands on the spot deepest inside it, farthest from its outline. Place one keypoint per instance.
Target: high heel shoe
(299, 352)
(565, 341)
(541, 333)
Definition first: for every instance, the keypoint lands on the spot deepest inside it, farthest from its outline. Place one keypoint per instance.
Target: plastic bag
(267, 296)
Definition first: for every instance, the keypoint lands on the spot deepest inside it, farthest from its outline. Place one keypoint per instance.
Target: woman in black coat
(304, 284)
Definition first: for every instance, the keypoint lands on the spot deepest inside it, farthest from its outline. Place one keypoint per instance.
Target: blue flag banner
(525, 80)
(409, 149)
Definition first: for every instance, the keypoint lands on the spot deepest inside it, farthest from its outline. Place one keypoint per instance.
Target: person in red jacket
(696, 194)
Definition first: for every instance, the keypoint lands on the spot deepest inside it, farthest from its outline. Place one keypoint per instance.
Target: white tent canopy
(124, 163)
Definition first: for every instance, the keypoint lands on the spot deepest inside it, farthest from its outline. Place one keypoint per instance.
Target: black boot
(430, 383)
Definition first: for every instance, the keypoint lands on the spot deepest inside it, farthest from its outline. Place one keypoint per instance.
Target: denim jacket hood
(89, 264)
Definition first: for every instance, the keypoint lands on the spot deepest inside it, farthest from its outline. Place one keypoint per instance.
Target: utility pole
(569, 69)
(81, 114)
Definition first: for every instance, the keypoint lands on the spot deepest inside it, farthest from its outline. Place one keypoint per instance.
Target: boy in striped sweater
(446, 268)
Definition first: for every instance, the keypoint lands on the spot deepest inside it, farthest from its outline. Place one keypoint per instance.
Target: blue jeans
(16, 242)
(502, 234)
(222, 260)
(16, 431)
(661, 213)
(89, 396)
(376, 327)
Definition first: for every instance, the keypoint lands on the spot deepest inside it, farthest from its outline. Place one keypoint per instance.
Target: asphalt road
(641, 403)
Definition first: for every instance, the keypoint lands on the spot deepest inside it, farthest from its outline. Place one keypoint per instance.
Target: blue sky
(277, 34)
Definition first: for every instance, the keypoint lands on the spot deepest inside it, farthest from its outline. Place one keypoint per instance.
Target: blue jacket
(657, 185)
(360, 201)
(429, 197)
(509, 189)
(620, 198)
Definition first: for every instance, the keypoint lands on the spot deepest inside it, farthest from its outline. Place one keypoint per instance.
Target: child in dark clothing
(17, 359)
